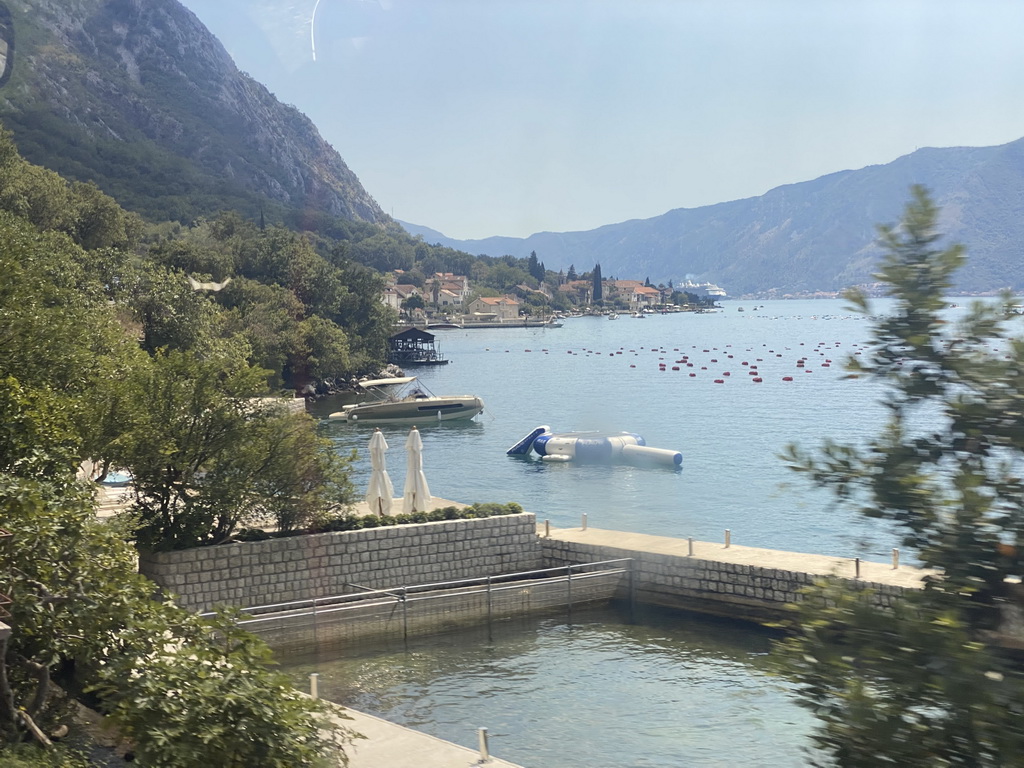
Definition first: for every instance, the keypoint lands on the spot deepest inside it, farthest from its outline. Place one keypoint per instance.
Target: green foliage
(208, 457)
(185, 690)
(30, 756)
(923, 683)
(349, 522)
(92, 219)
(414, 302)
(204, 695)
(910, 686)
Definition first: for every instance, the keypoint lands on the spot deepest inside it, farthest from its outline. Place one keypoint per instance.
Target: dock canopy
(414, 346)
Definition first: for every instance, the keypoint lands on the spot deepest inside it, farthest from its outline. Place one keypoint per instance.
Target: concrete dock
(905, 576)
(737, 582)
(387, 745)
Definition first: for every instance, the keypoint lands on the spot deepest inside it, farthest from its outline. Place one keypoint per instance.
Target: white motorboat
(411, 404)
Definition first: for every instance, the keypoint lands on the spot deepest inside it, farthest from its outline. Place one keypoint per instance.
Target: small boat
(639, 315)
(411, 404)
(613, 316)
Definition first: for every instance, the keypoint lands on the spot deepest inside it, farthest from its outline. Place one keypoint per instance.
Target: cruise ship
(702, 289)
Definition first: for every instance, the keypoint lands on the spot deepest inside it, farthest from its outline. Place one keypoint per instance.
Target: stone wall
(735, 590)
(320, 565)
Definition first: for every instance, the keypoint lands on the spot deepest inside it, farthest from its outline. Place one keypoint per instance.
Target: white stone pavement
(387, 745)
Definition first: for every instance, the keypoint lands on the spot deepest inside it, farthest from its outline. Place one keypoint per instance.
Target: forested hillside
(140, 98)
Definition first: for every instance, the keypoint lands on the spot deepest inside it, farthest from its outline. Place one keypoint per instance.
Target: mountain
(140, 98)
(804, 238)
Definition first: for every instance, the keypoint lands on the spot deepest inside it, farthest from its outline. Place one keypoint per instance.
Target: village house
(637, 295)
(498, 308)
(581, 290)
(447, 289)
(394, 295)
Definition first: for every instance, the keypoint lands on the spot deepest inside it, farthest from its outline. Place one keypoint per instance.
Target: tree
(571, 274)
(924, 683)
(598, 285)
(414, 302)
(535, 267)
(186, 690)
(207, 456)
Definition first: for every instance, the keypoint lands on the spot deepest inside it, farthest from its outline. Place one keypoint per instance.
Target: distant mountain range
(815, 236)
(140, 98)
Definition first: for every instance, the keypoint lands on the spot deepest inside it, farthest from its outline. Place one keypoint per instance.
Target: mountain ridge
(806, 237)
(99, 81)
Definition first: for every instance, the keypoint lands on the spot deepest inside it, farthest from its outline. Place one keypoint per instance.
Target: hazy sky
(509, 117)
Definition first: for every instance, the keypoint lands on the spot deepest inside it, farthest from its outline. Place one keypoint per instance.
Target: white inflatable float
(593, 447)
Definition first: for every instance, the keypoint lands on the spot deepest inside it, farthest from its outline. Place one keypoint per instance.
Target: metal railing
(504, 593)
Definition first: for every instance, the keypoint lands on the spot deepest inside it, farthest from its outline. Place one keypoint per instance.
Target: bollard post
(485, 755)
(728, 538)
(314, 685)
(895, 558)
(547, 529)
(583, 525)
(689, 546)
(856, 567)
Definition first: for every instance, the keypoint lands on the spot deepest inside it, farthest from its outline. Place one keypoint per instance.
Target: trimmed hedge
(351, 522)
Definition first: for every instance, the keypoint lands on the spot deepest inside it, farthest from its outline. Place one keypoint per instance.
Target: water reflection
(669, 689)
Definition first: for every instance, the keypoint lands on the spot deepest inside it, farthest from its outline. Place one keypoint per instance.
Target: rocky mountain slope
(814, 236)
(139, 97)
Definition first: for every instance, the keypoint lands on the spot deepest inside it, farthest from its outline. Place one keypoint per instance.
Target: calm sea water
(600, 692)
(599, 374)
(673, 689)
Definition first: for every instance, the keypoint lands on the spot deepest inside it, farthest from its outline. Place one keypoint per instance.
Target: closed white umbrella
(417, 496)
(381, 490)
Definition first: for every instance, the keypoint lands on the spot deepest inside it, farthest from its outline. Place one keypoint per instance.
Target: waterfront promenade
(905, 576)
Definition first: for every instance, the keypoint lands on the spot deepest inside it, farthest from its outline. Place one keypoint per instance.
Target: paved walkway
(819, 565)
(388, 745)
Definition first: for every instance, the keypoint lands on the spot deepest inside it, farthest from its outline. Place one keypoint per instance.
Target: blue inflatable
(593, 447)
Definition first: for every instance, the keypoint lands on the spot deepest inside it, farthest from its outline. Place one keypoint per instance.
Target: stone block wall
(320, 565)
(745, 592)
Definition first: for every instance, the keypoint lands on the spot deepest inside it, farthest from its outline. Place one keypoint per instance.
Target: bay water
(606, 689)
(594, 373)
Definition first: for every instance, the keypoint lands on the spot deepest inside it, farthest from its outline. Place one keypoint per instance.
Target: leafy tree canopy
(925, 683)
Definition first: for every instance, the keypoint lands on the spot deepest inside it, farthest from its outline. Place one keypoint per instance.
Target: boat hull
(413, 411)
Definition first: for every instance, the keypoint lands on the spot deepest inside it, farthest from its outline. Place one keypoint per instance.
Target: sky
(509, 117)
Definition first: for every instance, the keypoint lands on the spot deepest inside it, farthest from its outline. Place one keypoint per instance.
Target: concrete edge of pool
(396, 746)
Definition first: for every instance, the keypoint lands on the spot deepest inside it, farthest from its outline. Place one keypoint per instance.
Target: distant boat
(613, 316)
(638, 315)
